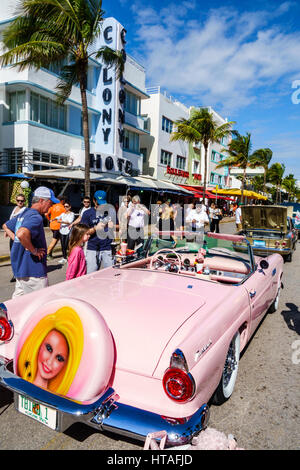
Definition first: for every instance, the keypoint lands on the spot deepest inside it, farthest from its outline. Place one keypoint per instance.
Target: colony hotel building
(37, 134)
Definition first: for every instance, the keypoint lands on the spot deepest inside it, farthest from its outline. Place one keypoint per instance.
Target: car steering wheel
(165, 260)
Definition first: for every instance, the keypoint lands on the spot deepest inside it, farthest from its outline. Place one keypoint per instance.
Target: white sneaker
(62, 261)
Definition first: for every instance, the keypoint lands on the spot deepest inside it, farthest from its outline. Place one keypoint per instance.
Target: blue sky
(240, 57)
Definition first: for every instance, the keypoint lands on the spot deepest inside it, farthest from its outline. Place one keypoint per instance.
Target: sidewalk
(4, 242)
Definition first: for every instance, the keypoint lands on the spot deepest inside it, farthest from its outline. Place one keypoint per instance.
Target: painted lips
(46, 368)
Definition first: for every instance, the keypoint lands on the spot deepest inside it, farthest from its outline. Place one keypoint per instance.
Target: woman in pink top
(76, 260)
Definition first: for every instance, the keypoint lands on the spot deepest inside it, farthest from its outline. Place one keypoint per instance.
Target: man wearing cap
(28, 253)
(100, 219)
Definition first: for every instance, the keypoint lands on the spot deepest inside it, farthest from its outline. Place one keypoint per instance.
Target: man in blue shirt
(101, 220)
(28, 253)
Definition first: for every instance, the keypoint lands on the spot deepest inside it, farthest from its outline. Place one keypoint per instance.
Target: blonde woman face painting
(51, 353)
(52, 358)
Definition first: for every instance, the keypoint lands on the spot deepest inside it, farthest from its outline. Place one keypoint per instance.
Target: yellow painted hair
(67, 322)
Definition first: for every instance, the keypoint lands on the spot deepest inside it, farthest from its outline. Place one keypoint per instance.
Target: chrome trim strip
(106, 413)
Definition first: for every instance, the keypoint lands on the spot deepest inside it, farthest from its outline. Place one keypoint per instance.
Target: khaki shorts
(26, 285)
(239, 227)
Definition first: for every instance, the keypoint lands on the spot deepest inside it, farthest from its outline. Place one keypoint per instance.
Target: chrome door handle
(252, 293)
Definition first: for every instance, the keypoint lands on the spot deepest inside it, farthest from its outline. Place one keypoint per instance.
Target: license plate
(259, 243)
(37, 411)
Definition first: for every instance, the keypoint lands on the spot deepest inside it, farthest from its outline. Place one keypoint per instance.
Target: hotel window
(196, 166)
(167, 125)
(216, 179)
(215, 156)
(180, 162)
(43, 157)
(132, 103)
(131, 141)
(165, 158)
(17, 106)
(47, 112)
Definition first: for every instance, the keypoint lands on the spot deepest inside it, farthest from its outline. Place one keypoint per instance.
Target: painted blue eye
(49, 348)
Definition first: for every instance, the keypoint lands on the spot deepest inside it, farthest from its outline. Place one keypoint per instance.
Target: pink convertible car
(142, 346)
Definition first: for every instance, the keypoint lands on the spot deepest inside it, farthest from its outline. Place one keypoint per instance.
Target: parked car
(142, 346)
(269, 229)
(294, 213)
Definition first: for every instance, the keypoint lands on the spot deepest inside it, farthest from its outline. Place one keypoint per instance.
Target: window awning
(137, 182)
(14, 175)
(238, 192)
(198, 192)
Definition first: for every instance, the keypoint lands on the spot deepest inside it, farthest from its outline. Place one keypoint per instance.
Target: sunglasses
(67, 205)
(20, 200)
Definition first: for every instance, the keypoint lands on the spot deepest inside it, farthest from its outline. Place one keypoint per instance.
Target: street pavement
(262, 414)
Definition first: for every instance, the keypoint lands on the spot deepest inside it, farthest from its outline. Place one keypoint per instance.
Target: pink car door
(261, 287)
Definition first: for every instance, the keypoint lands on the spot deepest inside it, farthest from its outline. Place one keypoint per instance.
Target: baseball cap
(46, 193)
(100, 197)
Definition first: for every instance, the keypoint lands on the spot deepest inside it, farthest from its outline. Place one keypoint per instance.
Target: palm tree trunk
(205, 171)
(86, 137)
(243, 186)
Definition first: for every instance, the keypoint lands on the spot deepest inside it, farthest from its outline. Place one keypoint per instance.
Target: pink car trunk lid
(142, 309)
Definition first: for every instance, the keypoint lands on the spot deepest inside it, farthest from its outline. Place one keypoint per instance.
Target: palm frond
(111, 58)
(68, 78)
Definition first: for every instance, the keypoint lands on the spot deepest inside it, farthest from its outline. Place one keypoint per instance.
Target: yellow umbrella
(238, 192)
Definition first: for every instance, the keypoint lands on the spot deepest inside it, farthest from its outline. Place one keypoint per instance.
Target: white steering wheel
(165, 258)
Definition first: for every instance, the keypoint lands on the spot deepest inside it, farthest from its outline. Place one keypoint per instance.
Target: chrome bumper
(106, 413)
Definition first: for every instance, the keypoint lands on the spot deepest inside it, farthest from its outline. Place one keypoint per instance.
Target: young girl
(76, 261)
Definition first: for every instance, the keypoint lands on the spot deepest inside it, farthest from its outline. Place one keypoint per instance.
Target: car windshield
(215, 257)
(235, 247)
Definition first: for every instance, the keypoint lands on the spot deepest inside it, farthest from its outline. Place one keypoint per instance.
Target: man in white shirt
(197, 218)
(238, 218)
(136, 221)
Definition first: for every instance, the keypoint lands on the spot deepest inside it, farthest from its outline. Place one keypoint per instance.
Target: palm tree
(289, 184)
(258, 183)
(201, 128)
(49, 31)
(275, 176)
(262, 157)
(239, 155)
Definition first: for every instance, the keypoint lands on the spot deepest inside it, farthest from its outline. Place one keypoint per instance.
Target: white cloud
(221, 59)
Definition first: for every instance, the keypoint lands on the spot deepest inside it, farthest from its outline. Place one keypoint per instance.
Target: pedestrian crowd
(88, 240)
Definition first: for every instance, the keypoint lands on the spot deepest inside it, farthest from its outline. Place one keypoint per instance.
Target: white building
(37, 134)
(163, 158)
(178, 161)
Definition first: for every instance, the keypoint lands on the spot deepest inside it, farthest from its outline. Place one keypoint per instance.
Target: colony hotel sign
(110, 94)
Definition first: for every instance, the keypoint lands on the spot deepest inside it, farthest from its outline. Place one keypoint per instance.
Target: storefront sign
(197, 176)
(177, 172)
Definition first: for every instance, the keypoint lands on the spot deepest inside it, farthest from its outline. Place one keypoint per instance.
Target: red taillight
(5, 329)
(283, 244)
(178, 385)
